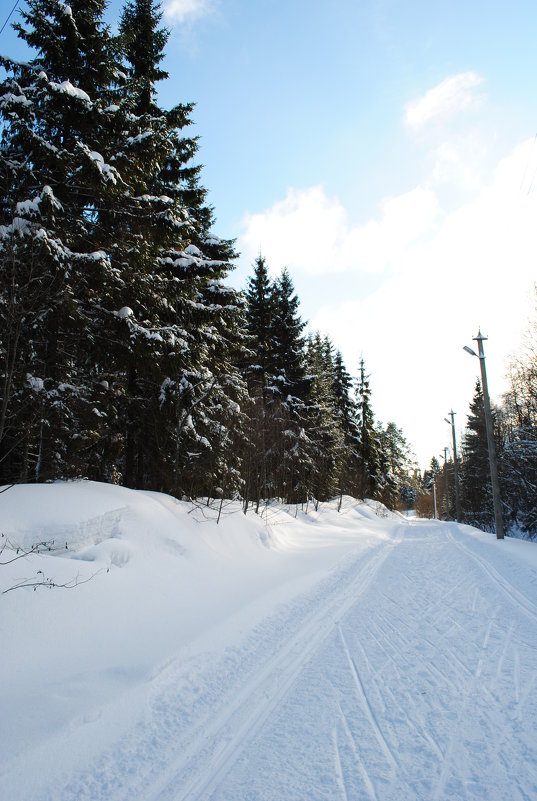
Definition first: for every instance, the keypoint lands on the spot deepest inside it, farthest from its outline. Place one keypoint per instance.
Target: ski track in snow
(409, 674)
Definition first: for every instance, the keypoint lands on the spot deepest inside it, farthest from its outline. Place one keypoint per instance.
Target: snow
(32, 207)
(108, 173)
(37, 384)
(8, 98)
(66, 87)
(66, 9)
(297, 654)
(141, 137)
(97, 255)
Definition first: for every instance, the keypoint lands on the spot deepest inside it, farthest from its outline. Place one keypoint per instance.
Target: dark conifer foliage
(124, 355)
(186, 266)
(518, 478)
(143, 43)
(132, 332)
(260, 314)
(287, 340)
(347, 414)
(476, 491)
(324, 429)
(292, 390)
(369, 476)
(53, 173)
(275, 373)
(397, 467)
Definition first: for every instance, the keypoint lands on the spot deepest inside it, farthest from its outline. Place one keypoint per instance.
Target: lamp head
(469, 350)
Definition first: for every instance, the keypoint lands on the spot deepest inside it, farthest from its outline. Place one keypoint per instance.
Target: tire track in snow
(217, 744)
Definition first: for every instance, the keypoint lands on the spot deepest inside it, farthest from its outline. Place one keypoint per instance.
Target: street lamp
(455, 463)
(498, 516)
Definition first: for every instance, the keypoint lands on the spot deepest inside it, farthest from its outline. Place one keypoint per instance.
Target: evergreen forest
(126, 357)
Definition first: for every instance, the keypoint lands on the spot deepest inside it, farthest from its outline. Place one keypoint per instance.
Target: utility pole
(496, 500)
(455, 466)
(446, 483)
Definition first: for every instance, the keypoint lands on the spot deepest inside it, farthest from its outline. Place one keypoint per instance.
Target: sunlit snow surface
(294, 654)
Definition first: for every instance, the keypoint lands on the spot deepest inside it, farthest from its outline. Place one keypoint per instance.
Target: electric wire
(9, 16)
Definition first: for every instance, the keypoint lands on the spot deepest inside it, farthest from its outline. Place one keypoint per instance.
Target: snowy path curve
(253, 704)
(408, 674)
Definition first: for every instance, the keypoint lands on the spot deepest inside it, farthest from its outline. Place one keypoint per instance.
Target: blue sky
(386, 153)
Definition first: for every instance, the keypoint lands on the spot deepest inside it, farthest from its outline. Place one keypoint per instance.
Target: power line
(9, 16)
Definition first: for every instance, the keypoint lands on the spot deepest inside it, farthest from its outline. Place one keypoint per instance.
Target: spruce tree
(260, 312)
(396, 465)
(257, 370)
(347, 413)
(289, 406)
(476, 490)
(53, 173)
(369, 478)
(129, 332)
(188, 316)
(518, 474)
(288, 342)
(324, 429)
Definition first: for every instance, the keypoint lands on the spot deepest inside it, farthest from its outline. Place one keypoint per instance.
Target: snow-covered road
(407, 670)
(408, 675)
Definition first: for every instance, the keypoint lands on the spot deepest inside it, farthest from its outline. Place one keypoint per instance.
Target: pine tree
(347, 413)
(288, 343)
(324, 429)
(260, 311)
(518, 472)
(53, 173)
(130, 332)
(258, 372)
(143, 43)
(369, 479)
(181, 384)
(396, 465)
(291, 388)
(476, 491)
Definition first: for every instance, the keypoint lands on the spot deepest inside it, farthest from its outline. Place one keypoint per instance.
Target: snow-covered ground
(293, 655)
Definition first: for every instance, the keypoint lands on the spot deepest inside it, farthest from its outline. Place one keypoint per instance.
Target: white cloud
(304, 231)
(476, 270)
(454, 254)
(186, 10)
(451, 96)
(461, 161)
(310, 232)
